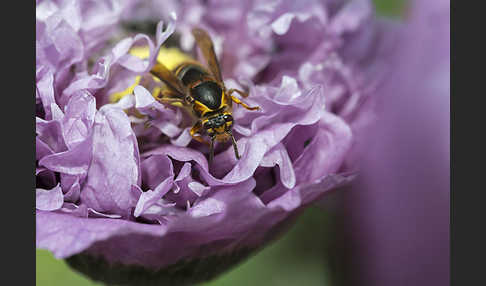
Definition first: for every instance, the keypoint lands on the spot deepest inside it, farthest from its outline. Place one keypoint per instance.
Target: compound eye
(208, 125)
(227, 117)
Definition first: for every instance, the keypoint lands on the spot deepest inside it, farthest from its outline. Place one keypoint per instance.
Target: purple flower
(129, 202)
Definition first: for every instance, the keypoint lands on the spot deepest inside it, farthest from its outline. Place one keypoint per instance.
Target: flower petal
(73, 162)
(183, 173)
(198, 188)
(180, 154)
(50, 132)
(45, 89)
(278, 156)
(78, 118)
(79, 233)
(322, 157)
(72, 194)
(119, 56)
(41, 149)
(155, 169)
(207, 207)
(148, 198)
(114, 165)
(282, 24)
(49, 200)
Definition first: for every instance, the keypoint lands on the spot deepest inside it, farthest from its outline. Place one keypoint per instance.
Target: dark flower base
(186, 272)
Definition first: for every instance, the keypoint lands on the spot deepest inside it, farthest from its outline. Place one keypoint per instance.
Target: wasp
(201, 90)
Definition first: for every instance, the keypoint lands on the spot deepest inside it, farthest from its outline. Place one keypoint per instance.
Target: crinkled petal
(183, 139)
(114, 166)
(183, 195)
(184, 154)
(41, 149)
(326, 151)
(260, 143)
(73, 162)
(207, 207)
(282, 24)
(161, 211)
(50, 133)
(180, 154)
(322, 156)
(94, 213)
(167, 119)
(183, 173)
(74, 234)
(45, 89)
(133, 63)
(198, 188)
(58, 46)
(72, 195)
(155, 169)
(145, 102)
(279, 156)
(148, 198)
(120, 56)
(78, 118)
(49, 200)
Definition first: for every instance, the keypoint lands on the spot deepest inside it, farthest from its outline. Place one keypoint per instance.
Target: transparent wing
(164, 74)
(207, 48)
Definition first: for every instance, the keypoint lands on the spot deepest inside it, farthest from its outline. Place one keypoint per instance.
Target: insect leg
(211, 151)
(237, 101)
(172, 101)
(242, 93)
(235, 147)
(193, 132)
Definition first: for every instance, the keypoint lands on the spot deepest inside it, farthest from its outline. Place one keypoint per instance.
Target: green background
(300, 257)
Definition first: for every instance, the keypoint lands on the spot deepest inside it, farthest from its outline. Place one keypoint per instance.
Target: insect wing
(207, 48)
(165, 75)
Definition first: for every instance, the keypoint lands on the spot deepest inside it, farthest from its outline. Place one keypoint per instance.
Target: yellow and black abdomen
(207, 94)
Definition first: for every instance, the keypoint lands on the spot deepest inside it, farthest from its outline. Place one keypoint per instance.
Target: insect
(202, 91)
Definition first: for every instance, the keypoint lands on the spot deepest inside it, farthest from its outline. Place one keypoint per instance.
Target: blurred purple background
(396, 216)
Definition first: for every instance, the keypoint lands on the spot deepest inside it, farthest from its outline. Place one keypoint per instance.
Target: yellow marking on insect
(222, 136)
(219, 129)
(156, 91)
(177, 104)
(201, 108)
(223, 100)
(170, 57)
